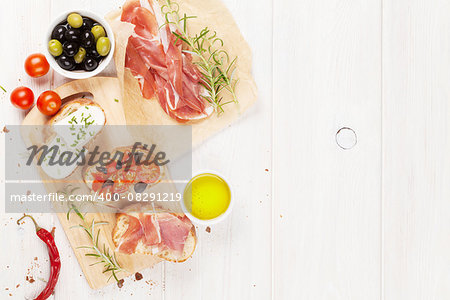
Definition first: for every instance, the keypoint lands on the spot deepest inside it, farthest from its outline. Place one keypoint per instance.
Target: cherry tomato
(106, 191)
(111, 168)
(36, 65)
(22, 97)
(129, 176)
(148, 174)
(97, 185)
(49, 103)
(99, 176)
(121, 185)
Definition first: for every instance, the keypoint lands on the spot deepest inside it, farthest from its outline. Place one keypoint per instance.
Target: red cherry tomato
(121, 185)
(149, 174)
(49, 103)
(107, 191)
(36, 65)
(111, 168)
(97, 185)
(22, 97)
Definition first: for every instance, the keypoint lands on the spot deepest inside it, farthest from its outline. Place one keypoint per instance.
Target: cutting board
(106, 92)
(211, 14)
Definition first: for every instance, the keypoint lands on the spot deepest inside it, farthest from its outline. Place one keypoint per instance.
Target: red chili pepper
(55, 262)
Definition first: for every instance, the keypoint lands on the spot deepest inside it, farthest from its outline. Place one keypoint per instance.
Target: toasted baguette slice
(122, 221)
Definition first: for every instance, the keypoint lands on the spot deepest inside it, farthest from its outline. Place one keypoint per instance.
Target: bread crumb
(208, 229)
(138, 276)
(5, 130)
(267, 170)
(30, 279)
(120, 283)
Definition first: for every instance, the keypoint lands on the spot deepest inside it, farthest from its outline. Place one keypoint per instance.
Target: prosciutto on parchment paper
(157, 61)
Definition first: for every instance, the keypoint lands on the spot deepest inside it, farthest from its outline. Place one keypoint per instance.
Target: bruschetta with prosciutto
(146, 229)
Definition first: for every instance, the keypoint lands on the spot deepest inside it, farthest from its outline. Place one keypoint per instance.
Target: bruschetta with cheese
(71, 129)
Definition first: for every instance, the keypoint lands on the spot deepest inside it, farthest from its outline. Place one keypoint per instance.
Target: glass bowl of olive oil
(207, 199)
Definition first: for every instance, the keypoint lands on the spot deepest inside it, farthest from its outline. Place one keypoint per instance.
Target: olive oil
(207, 196)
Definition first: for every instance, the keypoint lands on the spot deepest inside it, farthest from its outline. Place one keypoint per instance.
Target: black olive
(58, 33)
(87, 39)
(71, 48)
(87, 23)
(66, 62)
(102, 170)
(90, 64)
(107, 183)
(140, 187)
(138, 158)
(72, 35)
(92, 52)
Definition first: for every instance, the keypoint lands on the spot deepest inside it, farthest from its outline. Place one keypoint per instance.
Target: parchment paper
(214, 15)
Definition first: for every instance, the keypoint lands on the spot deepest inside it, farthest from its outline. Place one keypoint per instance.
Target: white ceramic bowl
(215, 220)
(79, 74)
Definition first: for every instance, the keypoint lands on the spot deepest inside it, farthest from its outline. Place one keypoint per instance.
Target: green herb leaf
(103, 255)
(208, 54)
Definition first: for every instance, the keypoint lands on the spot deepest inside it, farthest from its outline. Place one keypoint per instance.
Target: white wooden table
(312, 220)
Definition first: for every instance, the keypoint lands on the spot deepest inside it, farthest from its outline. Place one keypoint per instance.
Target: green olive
(75, 20)
(98, 31)
(103, 46)
(55, 47)
(80, 56)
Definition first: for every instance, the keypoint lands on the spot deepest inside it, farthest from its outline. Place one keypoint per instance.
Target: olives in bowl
(79, 44)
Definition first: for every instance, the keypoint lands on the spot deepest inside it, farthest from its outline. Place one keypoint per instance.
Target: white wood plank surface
(416, 190)
(327, 75)
(321, 222)
(234, 259)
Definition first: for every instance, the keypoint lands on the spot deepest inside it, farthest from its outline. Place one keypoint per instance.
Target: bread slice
(188, 251)
(56, 135)
(89, 179)
(122, 221)
(71, 107)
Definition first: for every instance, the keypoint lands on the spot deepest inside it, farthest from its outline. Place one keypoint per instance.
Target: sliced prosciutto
(132, 236)
(158, 231)
(174, 231)
(156, 60)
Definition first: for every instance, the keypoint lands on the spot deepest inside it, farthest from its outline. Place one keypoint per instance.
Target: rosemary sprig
(101, 253)
(4, 90)
(212, 60)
